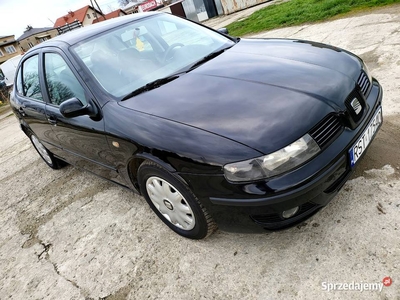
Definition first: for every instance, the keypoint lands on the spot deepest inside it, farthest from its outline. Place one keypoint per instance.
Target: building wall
(8, 48)
(230, 6)
(89, 17)
(190, 10)
(131, 8)
(35, 39)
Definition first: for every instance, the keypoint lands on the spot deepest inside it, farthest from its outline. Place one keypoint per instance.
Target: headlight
(275, 163)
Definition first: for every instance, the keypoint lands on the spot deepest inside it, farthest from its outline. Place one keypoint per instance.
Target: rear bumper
(310, 187)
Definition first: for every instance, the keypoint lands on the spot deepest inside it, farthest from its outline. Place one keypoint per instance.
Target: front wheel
(45, 154)
(174, 203)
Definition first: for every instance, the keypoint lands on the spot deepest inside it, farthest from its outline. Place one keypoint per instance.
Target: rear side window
(30, 78)
(60, 81)
(19, 85)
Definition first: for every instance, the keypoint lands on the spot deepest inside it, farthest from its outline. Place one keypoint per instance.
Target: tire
(174, 203)
(45, 154)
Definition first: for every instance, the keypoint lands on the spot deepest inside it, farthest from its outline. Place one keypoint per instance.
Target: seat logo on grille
(355, 104)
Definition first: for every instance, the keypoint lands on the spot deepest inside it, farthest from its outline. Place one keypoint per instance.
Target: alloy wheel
(41, 149)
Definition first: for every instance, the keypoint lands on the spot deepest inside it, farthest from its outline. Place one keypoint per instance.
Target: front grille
(275, 218)
(267, 218)
(327, 130)
(364, 83)
(356, 111)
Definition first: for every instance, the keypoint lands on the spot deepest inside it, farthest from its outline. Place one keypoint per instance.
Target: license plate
(365, 139)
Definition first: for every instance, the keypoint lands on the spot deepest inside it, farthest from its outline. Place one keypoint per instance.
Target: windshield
(132, 55)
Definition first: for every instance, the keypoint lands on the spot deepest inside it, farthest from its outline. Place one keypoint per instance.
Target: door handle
(21, 111)
(52, 120)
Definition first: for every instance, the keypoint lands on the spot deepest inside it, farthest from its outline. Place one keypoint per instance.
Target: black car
(205, 126)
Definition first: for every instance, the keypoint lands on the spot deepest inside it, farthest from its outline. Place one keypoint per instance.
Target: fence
(69, 27)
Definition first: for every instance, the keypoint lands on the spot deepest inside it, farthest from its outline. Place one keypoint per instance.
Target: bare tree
(31, 85)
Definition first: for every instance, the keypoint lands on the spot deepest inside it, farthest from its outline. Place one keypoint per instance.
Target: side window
(60, 81)
(30, 78)
(19, 86)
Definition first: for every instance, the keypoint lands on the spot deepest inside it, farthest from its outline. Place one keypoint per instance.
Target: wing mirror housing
(223, 30)
(73, 107)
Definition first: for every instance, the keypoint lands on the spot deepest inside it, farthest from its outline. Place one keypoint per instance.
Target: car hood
(262, 93)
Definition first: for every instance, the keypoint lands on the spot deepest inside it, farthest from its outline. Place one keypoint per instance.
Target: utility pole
(98, 8)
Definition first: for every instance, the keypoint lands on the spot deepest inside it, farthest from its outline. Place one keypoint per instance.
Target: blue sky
(15, 15)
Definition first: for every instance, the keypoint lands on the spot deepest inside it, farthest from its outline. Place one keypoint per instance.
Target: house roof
(74, 15)
(113, 14)
(7, 36)
(10, 40)
(33, 31)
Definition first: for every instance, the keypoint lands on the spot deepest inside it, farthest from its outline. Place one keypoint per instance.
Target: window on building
(94, 15)
(30, 45)
(10, 49)
(1, 54)
(45, 38)
(88, 16)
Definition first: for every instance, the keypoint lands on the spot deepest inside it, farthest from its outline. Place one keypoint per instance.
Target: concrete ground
(69, 235)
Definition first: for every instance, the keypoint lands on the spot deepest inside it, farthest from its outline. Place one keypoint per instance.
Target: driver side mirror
(73, 108)
(223, 30)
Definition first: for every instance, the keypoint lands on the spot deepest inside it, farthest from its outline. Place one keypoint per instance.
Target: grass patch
(297, 12)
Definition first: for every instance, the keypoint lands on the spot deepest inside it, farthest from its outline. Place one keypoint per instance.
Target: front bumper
(310, 187)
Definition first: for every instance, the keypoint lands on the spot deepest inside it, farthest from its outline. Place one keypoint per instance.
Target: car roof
(83, 33)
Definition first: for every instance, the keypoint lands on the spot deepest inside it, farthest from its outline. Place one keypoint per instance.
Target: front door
(81, 139)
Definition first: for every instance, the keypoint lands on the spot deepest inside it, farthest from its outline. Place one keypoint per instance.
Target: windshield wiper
(151, 85)
(207, 58)
(161, 81)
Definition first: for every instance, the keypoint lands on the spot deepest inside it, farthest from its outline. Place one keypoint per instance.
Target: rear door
(30, 102)
(81, 139)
